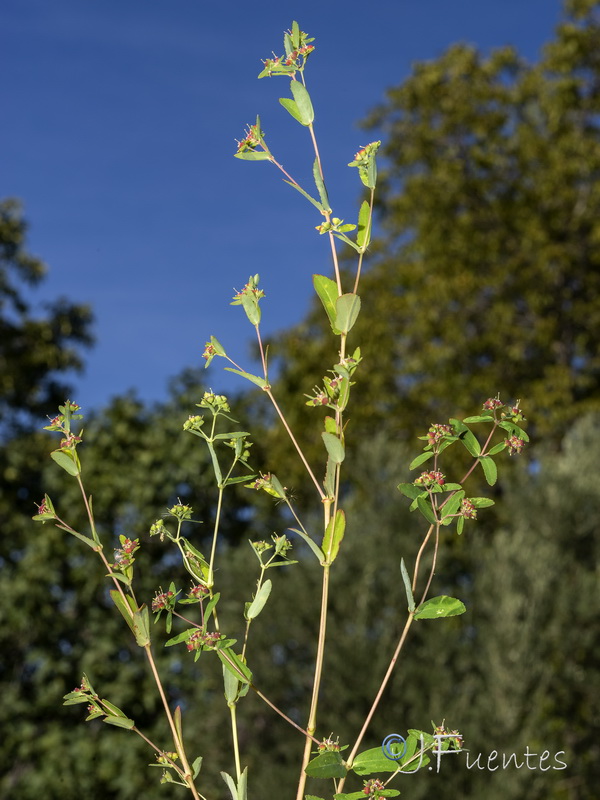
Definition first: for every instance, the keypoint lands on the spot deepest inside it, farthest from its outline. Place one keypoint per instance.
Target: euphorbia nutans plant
(442, 501)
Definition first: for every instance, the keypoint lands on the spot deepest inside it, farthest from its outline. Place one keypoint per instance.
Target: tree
(485, 271)
(33, 350)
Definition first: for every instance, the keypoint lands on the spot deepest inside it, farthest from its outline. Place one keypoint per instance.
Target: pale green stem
(236, 747)
(176, 740)
(312, 717)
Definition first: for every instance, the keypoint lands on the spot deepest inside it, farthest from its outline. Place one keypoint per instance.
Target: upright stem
(312, 717)
(236, 747)
(176, 740)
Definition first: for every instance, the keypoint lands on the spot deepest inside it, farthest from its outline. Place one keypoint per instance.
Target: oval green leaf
(438, 607)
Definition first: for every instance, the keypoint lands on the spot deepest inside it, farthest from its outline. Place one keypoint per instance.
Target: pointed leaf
(363, 236)
(328, 294)
(407, 586)
(313, 545)
(254, 378)
(253, 155)
(303, 103)
(292, 107)
(257, 605)
(312, 200)
(321, 186)
(235, 665)
(333, 536)
(66, 461)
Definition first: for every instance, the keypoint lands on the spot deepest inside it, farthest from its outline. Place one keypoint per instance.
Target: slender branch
(176, 740)
(419, 554)
(295, 443)
(379, 694)
(282, 714)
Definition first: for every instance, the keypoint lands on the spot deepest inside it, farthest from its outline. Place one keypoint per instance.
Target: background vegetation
(485, 277)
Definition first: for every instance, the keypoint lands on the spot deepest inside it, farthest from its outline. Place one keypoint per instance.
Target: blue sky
(118, 133)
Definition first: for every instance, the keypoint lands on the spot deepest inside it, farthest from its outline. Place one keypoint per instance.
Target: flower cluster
(373, 787)
(159, 528)
(515, 445)
(162, 600)
(253, 138)
(468, 510)
(269, 484)
(199, 640)
(198, 591)
(124, 554)
(329, 744)
(430, 479)
(437, 432)
(193, 422)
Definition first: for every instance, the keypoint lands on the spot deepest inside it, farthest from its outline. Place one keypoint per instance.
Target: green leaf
(370, 761)
(335, 448)
(329, 482)
(514, 430)
(410, 490)
(347, 309)
(333, 536)
(127, 611)
(66, 461)
(119, 722)
(141, 626)
(416, 462)
(481, 502)
(480, 418)
(235, 665)
(490, 469)
(312, 200)
(424, 506)
(497, 448)
(451, 506)
(257, 605)
(363, 236)
(196, 765)
(313, 545)
(254, 378)
(326, 765)
(438, 607)
(407, 586)
(230, 785)
(292, 107)
(328, 294)
(231, 684)
(254, 155)
(303, 103)
(319, 183)
(470, 441)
